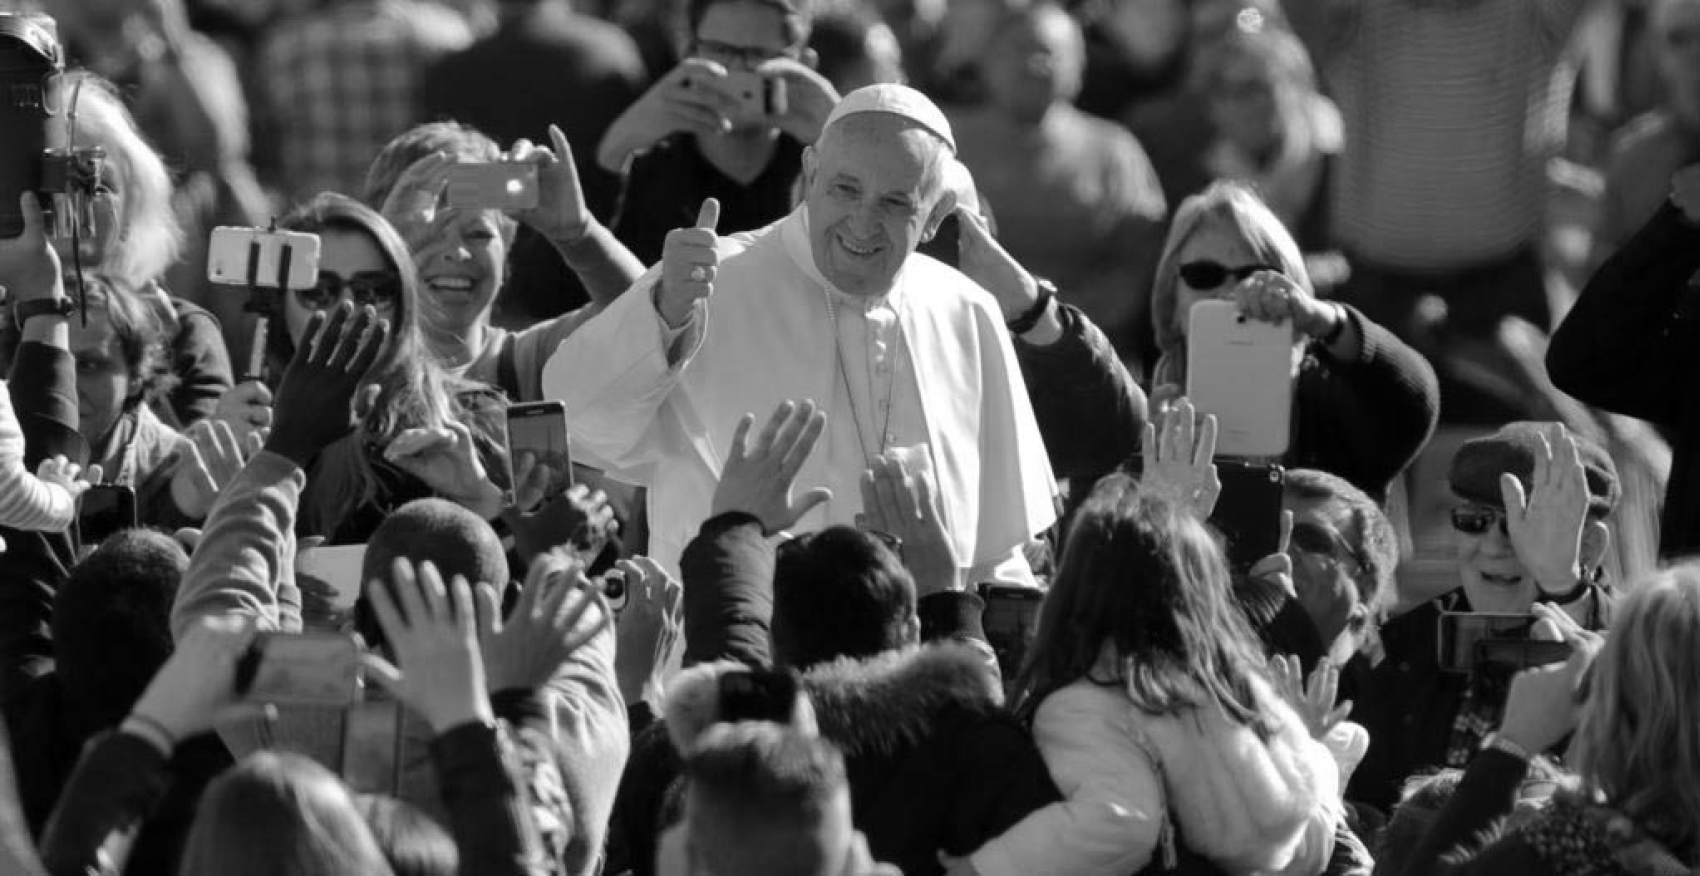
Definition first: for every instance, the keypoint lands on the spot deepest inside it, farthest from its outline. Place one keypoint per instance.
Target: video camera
(31, 57)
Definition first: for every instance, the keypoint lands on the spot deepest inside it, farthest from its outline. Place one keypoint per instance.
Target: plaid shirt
(342, 82)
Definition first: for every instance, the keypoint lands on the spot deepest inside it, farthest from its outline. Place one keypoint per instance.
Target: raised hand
(982, 259)
(689, 260)
(196, 688)
(67, 475)
(1543, 704)
(315, 400)
(1546, 527)
(1315, 700)
(648, 629)
(446, 460)
(903, 505)
(547, 626)
(1179, 460)
(247, 407)
(29, 266)
(689, 100)
(212, 457)
(430, 629)
(578, 520)
(809, 98)
(560, 215)
(760, 478)
(1271, 296)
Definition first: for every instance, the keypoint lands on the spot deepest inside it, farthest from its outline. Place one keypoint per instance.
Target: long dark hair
(1142, 602)
(414, 391)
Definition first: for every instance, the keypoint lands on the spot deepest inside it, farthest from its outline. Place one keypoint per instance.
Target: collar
(794, 233)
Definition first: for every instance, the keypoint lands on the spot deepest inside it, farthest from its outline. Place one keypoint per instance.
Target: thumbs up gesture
(688, 264)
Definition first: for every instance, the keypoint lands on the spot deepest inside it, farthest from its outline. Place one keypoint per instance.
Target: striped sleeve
(26, 502)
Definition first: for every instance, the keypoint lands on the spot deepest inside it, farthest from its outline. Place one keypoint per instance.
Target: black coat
(1631, 345)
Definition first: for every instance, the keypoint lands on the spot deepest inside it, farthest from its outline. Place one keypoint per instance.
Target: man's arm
(728, 593)
(1624, 344)
(247, 549)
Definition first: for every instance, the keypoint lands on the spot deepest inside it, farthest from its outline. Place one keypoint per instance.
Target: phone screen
(540, 429)
(1011, 618)
(307, 669)
(492, 186)
(1248, 510)
(105, 509)
(1464, 637)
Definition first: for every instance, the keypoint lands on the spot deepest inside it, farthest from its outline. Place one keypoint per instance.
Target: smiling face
(875, 189)
(461, 268)
(1494, 578)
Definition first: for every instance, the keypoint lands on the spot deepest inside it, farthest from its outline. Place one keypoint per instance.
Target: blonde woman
(1633, 805)
(1364, 403)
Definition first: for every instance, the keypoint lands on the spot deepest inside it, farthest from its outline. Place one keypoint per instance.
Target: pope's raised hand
(689, 260)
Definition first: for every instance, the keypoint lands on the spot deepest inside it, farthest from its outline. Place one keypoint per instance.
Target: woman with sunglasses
(1630, 708)
(1364, 403)
(450, 428)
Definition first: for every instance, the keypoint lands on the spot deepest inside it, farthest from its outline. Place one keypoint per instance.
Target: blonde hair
(1234, 207)
(1638, 743)
(148, 239)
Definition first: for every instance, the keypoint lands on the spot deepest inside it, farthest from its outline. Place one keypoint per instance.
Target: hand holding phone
(538, 431)
(1011, 619)
(268, 259)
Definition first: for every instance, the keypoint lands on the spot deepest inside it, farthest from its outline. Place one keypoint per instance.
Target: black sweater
(1631, 345)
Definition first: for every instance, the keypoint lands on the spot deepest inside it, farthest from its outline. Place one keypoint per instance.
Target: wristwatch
(1025, 322)
(57, 306)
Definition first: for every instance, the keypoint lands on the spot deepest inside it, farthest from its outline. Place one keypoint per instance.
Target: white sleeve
(615, 372)
(1112, 812)
(26, 501)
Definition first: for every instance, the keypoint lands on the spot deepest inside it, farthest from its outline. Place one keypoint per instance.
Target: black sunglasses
(367, 288)
(1322, 541)
(1206, 275)
(1476, 521)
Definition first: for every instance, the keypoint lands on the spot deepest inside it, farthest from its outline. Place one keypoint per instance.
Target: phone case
(232, 251)
(1248, 510)
(1241, 371)
(492, 186)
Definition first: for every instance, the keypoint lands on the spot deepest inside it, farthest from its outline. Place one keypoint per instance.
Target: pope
(908, 358)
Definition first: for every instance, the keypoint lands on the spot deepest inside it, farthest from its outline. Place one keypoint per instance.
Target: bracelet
(1497, 742)
(1025, 322)
(152, 731)
(1576, 594)
(1339, 329)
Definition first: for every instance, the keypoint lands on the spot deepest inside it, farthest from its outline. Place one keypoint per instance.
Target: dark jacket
(934, 761)
(1631, 345)
(121, 777)
(198, 359)
(1409, 704)
(1089, 409)
(1364, 420)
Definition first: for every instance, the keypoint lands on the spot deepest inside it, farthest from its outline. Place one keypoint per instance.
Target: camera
(67, 179)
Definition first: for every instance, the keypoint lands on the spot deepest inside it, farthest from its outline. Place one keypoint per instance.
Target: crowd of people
(895, 524)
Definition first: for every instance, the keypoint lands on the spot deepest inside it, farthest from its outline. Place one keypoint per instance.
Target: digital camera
(67, 179)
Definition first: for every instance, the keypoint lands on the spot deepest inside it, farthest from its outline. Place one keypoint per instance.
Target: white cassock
(926, 373)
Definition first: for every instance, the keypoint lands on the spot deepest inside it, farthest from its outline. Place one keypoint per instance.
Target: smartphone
(755, 98)
(1241, 370)
(758, 695)
(372, 734)
(301, 669)
(1011, 618)
(1468, 641)
(270, 259)
(540, 429)
(1248, 510)
(492, 186)
(105, 509)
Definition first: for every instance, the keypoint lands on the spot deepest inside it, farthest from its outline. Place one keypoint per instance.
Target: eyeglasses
(1476, 520)
(1207, 275)
(1325, 542)
(377, 289)
(747, 57)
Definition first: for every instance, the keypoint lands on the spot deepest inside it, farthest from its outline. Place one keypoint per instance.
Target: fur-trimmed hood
(873, 706)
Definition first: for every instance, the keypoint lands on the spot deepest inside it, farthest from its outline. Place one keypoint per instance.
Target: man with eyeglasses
(1530, 526)
(692, 137)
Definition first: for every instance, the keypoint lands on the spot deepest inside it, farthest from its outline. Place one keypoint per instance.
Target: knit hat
(1479, 463)
(898, 100)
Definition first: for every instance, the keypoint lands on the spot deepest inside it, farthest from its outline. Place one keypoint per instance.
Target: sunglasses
(367, 288)
(1207, 275)
(1324, 542)
(1472, 520)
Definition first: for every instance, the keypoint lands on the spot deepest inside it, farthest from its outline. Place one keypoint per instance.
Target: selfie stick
(260, 305)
